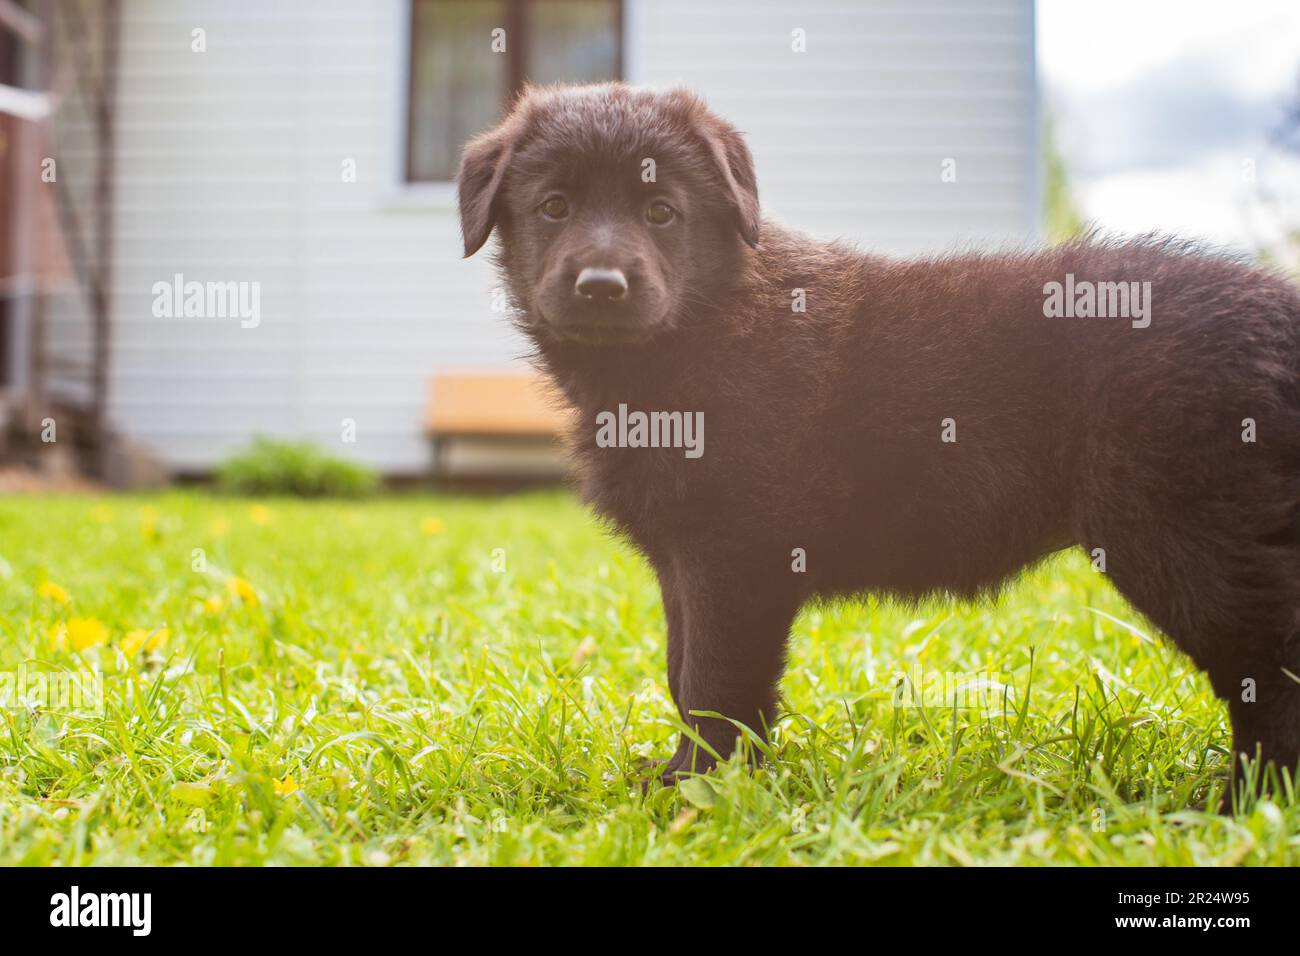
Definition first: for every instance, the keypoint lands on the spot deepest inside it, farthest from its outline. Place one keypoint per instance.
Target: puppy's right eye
(660, 213)
(555, 208)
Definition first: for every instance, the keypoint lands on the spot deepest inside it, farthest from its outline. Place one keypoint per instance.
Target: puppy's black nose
(601, 284)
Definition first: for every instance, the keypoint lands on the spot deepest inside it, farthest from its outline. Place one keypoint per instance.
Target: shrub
(274, 467)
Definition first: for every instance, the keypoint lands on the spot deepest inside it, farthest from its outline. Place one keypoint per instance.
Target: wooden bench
(503, 424)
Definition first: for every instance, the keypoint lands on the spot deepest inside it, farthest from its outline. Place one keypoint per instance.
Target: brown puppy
(900, 427)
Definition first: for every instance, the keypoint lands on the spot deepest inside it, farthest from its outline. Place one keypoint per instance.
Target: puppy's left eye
(555, 208)
(660, 213)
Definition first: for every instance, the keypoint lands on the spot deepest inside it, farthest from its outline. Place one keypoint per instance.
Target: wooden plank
(493, 404)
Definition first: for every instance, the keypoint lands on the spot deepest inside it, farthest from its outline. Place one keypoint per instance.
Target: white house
(305, 145)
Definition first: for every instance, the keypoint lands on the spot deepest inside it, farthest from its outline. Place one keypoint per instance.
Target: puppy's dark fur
(823, 427)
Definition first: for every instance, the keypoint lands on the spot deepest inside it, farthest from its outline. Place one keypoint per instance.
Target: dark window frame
(517, 45)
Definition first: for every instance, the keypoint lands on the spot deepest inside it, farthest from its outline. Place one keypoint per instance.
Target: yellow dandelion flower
(259, 514)
(103, 514)
(149, 523)
(87, 632)
(49, 589)
(219, 527)
(432, 526)
(286, 786)
(133, 641)
(81, 634)
(143, 639)
(214, 605)
(241, 590)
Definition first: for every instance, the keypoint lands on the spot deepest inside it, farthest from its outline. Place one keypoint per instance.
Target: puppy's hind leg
(1229, 601)
(1264, 701)
(1263, 695)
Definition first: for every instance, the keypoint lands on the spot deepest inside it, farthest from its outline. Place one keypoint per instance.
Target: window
(459, 85)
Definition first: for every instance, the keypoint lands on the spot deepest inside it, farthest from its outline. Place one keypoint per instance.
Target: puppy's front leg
(727, 635)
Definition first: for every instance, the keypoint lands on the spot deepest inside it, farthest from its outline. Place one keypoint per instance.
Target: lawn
(476, 681)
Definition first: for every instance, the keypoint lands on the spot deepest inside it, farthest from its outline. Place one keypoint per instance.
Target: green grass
(430, 708)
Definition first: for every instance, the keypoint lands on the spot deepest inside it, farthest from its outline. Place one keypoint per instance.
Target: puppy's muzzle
(602, 308)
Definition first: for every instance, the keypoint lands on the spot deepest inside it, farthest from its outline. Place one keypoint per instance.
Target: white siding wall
(230, 165)
(849, 136)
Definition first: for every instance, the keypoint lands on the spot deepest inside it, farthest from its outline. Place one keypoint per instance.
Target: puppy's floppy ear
(482, 165)
(732, 158)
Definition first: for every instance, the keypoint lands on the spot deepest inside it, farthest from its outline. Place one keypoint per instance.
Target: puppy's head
(619, 210)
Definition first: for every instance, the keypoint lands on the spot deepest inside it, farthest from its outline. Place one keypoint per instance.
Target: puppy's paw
(689, 760)
(649, 774)
(653, 774)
